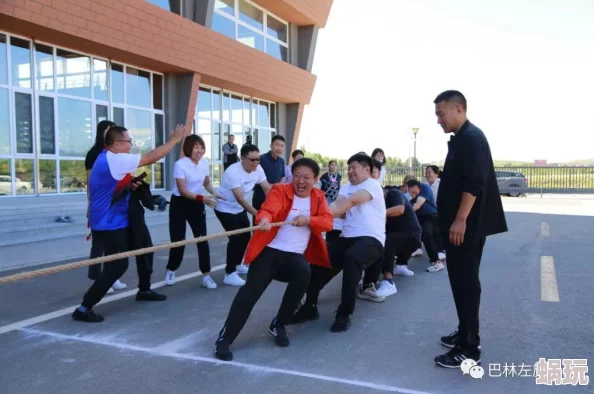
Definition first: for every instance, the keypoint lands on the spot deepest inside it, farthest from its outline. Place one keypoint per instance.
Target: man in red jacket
(282, 253)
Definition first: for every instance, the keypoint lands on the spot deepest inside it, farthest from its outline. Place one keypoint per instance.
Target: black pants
(272, 264)
(144, 263)
(257, 200)
(115, 241)
(332, 236)
(351, 255)
(96, 251)
(463, 270)
(180, 211)
(398, 244)
(430, 237)
(237, 243)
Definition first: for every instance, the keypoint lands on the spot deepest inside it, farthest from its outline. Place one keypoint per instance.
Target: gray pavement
(167, 347)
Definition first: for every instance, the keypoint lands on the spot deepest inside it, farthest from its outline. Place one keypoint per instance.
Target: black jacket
(469, 168)
(139, 232)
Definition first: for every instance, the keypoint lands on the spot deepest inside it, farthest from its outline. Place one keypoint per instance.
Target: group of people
(367, 231)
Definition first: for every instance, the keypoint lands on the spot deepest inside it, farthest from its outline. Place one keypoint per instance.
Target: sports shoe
(208, 282)
(386, 289)
(119, 285)
(150, 295)
(341, 323)
(242, 269)
(402, 270)
(435, 267)
(110, 290)
(441, 256)
(223, 349)
(170, 278)
(452, 340)
(418, 252)
(87, 316)
(370, 293)
(279, 332)
(233, 279)
(455, 356)
(306, 312)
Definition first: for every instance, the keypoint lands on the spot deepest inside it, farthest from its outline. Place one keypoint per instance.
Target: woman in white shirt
(188, 205)
(379, 155)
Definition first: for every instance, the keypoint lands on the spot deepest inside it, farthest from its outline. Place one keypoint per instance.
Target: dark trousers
(144, 262)
(351, 255)
(96, 251)
(115, 241)
(430, 237)
(332, 236)
(463, 270)
(237, 243)
(181, 211)
(272, 264)
(398, 244)
(257, 200)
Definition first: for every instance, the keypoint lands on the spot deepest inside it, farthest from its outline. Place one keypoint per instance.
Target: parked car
(513, 184)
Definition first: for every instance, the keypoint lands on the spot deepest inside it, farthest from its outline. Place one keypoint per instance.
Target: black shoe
(307, 312)
(341, 323)
(452, 340)
(150, 295)
(223, 350)
(87, 316)
(454, 357)
(279, 332)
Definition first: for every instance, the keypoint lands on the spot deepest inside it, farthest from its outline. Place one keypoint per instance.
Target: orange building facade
(221, 67)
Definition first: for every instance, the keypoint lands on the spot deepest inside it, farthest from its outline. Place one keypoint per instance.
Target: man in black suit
(470, 209)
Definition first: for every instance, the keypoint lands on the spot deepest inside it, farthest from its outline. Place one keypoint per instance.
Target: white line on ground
(545, 229)
(548, 280)
(115, 297)
(252, 367)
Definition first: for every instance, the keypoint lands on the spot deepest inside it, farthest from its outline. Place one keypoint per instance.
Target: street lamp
(415, 130)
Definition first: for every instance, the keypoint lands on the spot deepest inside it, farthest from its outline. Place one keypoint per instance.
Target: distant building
(540, 163)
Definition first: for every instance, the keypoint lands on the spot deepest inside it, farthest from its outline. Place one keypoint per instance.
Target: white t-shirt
(235, 176)
(122, 164)
(290, 238)
(194, 174)
(367, 219)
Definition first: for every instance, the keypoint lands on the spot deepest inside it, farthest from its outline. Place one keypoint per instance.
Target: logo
(470, 367)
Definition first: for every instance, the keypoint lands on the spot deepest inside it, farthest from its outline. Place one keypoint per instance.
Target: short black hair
(246, 149)
(434, 168)
(277, 137)
(306, 162)
(332, 161)
(113, 134)
(377, 164)
(376, 151)
(297, 152)
(362, 159)
(451, 96)
(413, 182)
(190, 142)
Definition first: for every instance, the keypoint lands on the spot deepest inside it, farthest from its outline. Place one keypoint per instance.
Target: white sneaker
(170, 278)
(386, 289)
(111, 290)
(418, 252)
(402, 270)
(242, 269)
(441, 256)
(233, 279)
(370, 293)
(209, 283)
(119, 285)
(436, 267)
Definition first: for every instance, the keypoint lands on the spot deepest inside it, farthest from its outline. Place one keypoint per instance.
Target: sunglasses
(252, 160)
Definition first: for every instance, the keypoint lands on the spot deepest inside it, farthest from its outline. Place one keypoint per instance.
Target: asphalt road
(167, 347)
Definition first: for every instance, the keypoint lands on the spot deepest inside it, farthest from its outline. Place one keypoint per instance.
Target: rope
(131, 253)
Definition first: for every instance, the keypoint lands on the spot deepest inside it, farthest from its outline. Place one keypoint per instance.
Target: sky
(526, 68)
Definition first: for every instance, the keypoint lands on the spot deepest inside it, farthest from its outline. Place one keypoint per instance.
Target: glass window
(73, 73)
(276, 50)
(24, 175)
(101, 113)
(255, 137)
(226, 107)
(117, 83)
(216, 105)
(169, 5)
(73, 176)
(157, 91)
(208, 145)
(226, 6)
(5, 177)
(100, 79)
(236, 109)
(47, 135)
(273, 116)
(263, 115)
(223, 25)
(23, 120)
(204, 102)
(118, 116)
(139, 127)
(159, 130)
(4, 123)
(4, 61)
(44, 60)
(276, 28)
(20, 57)
(237, 131)
(158, 175)
(216, 143)
(75, 127)
(264, 140)
(138, 87)
(47, 177)
(204, 126)
(251, 15)
(250, 38)
(246, 111)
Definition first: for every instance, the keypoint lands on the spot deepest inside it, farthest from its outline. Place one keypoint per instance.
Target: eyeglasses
(252, 160)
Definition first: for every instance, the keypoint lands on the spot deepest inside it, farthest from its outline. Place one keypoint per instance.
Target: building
(218, 66)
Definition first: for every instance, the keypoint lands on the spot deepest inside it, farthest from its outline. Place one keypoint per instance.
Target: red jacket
(276, 208)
